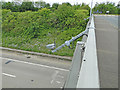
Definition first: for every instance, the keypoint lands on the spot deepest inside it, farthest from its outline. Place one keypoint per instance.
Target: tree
(75, 7)
(37, 4)
(7, 5)
(44, 12)
(85, 7)
(62, 13)
(103, 7)
(18, 6)
(55, 6)
(67, 3)
(27, 6)
(42, 4)
(118, 7)
(47, 6)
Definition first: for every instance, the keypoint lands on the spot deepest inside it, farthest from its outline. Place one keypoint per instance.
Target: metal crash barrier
(89, 73)
(84, 69)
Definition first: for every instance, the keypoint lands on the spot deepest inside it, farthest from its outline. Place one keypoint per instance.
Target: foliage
(55, 6)
(103, 7)
(33, 30)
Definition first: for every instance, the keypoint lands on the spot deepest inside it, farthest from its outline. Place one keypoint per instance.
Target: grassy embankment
(32, 31)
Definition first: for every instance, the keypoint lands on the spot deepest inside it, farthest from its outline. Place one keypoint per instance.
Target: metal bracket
(82, 44)
(91, 27)
(86, 34)
(67, 43)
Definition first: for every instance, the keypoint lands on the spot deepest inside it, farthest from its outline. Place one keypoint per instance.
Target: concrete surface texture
(30, 71)
(107, 50)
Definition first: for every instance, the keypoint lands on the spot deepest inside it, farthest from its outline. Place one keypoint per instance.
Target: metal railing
(89, 73)
(84, 69)
(67, 43)
(72, 78)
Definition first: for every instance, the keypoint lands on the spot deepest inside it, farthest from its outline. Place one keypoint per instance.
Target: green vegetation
(33, 30)
(108, 6)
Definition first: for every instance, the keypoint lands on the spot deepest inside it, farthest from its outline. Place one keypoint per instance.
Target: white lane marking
(61, 87)
(13, 76)
(54, 76)
(35, 64)
(58, 82)
(51, 81)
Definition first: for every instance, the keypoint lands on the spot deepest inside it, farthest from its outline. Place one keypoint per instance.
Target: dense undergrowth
(33, 30)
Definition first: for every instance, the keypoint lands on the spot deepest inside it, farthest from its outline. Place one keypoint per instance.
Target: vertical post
(0, 46)
(91, 8)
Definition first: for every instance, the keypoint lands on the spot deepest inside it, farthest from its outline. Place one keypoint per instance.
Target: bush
(34, 30)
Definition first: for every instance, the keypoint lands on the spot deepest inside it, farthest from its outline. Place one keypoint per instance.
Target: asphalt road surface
(107, 50)
(112, 20)
(30, 71)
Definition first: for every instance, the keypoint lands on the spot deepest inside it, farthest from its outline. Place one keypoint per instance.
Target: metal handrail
(67, 43)
(89, 73)
(84, 69)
